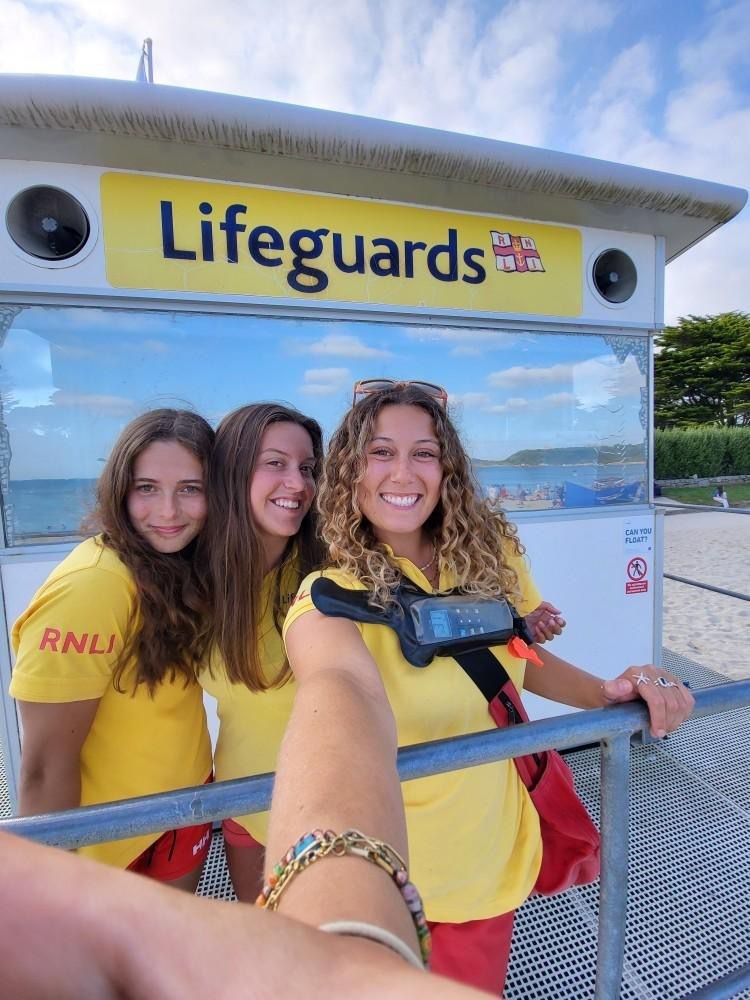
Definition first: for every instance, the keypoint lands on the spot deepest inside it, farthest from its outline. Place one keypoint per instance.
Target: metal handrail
(611, 727)
(708, 586)
(688, 508)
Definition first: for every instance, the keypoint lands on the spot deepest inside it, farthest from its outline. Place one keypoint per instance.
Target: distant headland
(613, 455)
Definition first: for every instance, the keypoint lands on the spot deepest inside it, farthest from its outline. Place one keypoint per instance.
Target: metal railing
(612, 728)
(707, 586)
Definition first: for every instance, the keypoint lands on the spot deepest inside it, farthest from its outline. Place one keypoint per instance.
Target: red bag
(570, 841)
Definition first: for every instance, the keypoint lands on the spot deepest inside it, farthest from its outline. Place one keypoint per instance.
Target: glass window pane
(550, 420)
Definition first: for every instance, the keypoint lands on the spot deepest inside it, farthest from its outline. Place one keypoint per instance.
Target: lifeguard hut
(161, 245)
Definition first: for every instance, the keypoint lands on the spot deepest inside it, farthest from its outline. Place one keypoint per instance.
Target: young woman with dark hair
(398, 505)
(260, 541)
(108, 650)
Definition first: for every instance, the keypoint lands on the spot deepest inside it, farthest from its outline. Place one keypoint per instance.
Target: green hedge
(702, 451)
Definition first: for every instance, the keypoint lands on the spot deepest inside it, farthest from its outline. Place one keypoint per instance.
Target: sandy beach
(711, 629)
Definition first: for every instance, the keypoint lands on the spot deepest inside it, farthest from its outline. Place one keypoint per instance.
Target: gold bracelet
(325, 843)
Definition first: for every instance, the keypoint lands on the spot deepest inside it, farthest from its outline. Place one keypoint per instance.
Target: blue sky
(658, 83)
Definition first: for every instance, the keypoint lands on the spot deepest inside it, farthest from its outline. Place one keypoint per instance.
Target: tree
(702, 372)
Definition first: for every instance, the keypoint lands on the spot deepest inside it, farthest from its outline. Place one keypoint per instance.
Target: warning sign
(637, 570)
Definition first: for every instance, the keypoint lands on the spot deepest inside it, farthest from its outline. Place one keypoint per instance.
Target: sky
(663, 84)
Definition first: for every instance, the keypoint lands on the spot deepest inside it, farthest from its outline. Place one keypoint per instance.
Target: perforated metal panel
(215, 881)
(689, 900)
(5, 809)
(689, 903)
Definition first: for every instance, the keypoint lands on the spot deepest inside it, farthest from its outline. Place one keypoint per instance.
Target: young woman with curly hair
(108, 650)
(261, 540)
(398, 502)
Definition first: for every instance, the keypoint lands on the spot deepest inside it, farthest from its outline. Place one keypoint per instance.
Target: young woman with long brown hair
(398, 503)
(261, 540)
(108, 650)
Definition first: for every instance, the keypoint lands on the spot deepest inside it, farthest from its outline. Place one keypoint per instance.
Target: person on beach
(260, 542)
(398, 503)
(108, 649)
(720, 496)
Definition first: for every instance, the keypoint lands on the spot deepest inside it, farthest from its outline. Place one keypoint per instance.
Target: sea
(48, 506)
(39, 507)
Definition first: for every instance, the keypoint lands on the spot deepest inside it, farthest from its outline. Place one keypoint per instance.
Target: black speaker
(47, 223)
(615, 276)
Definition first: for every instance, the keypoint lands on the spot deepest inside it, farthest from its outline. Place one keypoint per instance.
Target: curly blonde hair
(470, 540)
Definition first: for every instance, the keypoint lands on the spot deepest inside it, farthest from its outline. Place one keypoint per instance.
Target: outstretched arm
(128, 936)
(337, 770)
(669, 706)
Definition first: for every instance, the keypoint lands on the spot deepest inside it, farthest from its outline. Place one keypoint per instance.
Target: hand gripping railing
(611, 727)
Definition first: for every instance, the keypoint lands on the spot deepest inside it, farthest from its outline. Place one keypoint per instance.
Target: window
(550, 420)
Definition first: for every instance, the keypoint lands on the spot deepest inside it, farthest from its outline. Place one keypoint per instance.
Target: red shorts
(176, 852)
(475, 953)
(237, 835)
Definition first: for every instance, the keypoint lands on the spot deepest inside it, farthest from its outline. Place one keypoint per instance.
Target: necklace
(432, 560)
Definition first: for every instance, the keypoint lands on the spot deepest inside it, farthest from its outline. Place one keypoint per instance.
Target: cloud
(469, 400)
(119, 406)
(337, 345)
(694, 122)
(470, 342)
(714, 280)
(556, 399)
(606, 382)
(521, 375)
(450, 64)
(520, 404)
(591, 383)
(326, 381)
(512, 405)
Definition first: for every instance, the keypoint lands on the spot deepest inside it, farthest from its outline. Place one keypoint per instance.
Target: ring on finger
(663, 682)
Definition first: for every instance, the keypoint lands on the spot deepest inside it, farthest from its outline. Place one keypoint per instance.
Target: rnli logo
(515, 253)
(197, 848)
(92, 643)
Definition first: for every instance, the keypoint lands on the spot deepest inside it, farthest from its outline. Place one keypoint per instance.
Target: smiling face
(282, 486)
(401, 485)
(166, 501)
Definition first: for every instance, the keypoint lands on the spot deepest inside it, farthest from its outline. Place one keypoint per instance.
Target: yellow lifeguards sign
(169, 234)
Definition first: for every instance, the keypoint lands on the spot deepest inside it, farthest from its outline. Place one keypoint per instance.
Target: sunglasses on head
(367, 386)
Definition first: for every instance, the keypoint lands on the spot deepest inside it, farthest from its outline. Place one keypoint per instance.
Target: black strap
(485, 670)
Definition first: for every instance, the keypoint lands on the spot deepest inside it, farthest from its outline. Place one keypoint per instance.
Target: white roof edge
(174, 114)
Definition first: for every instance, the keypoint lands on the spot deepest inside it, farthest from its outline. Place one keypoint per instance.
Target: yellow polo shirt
(251, 724)
(66, 645)
(474, 841)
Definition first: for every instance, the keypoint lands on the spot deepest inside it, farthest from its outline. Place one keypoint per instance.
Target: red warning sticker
(637, 570)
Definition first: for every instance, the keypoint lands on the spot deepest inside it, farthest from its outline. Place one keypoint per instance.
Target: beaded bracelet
(322, 843)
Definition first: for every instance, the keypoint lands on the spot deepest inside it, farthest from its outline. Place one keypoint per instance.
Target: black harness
(429, 625)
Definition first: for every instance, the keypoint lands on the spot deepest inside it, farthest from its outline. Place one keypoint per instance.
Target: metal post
(613, 890)
(725, 988)
(148, 45)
